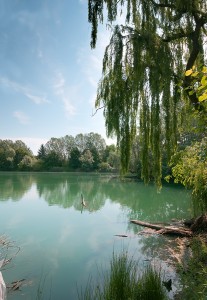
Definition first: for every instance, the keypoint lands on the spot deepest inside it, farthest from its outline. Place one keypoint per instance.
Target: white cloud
(21, 117)
(27, 92)
(65, 93)
(36, 99)
(39, 53)
(59, 82)
(90, 60)
(64, 234)
(92, 102)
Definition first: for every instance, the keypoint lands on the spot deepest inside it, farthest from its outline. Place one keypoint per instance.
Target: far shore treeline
(84, 152)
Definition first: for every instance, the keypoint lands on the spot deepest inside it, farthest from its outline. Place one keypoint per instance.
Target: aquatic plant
(123, 282)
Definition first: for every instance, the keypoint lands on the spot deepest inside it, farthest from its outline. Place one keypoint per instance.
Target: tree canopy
(144, 83)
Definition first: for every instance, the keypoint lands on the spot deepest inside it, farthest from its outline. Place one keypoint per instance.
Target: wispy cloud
(37, 98)
(64, 92)
(90, 61)
(21, 117)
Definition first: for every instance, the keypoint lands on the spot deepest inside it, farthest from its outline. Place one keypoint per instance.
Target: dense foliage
(189, 163)
(14, 155)
(85, 152)
(144, 85)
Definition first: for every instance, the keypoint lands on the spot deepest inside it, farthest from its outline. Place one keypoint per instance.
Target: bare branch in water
(9, 251)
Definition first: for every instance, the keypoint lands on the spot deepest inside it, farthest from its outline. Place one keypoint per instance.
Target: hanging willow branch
(141, 66)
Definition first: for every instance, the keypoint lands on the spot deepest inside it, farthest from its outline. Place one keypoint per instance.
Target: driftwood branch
(161, 229)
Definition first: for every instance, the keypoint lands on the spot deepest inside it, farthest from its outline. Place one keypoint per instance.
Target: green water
(61, 242)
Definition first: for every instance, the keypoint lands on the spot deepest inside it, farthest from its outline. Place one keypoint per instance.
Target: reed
(123, 282)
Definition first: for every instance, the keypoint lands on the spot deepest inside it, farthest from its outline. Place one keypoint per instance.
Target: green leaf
(202, 97)
(191, 93)
(188, 72)
(194, 74)
(204, 81)
(204, 70)
(201, 87)
(167, 178)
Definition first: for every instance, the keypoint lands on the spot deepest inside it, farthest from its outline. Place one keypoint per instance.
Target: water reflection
(64, 189)
(69, 244)
(14, 186)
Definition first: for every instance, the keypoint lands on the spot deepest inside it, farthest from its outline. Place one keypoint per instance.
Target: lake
(62, 243)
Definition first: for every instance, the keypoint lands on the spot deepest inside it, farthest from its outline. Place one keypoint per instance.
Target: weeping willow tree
(143, 86)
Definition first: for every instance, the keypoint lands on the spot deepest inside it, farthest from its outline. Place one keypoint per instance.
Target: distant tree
(21, 150)
(27, 163)
(114, 160)
(7, 154)
(56, 145)
(41, 152)
(20, 153)
(90, 141)
(52, 160)
(18, 144)
(95, 141)
(86, 160)
(107, 150)
(81, 142)
(96, 157)
(69, 144)
(74, 160)
(104, 167)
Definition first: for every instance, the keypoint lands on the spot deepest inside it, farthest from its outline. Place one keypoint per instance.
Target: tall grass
(150, 286)
(123, 282)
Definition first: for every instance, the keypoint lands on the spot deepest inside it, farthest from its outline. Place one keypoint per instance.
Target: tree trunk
(200, 224)
(181, 231)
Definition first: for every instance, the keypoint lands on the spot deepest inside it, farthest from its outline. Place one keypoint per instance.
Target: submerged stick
(82, 200)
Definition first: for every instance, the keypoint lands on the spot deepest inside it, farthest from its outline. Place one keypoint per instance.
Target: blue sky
(48, 72)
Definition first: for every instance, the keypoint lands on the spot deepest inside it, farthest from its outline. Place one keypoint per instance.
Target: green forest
(84, 152)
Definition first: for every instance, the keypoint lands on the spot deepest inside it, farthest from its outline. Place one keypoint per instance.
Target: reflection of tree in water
(148, 205)
(14, 185)
(145, 203)
(64, 189)
(152, 244)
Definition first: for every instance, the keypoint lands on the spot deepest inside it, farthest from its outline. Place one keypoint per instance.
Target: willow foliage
(143, 63)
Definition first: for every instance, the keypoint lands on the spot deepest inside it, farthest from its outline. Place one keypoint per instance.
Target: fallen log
(181, 231)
